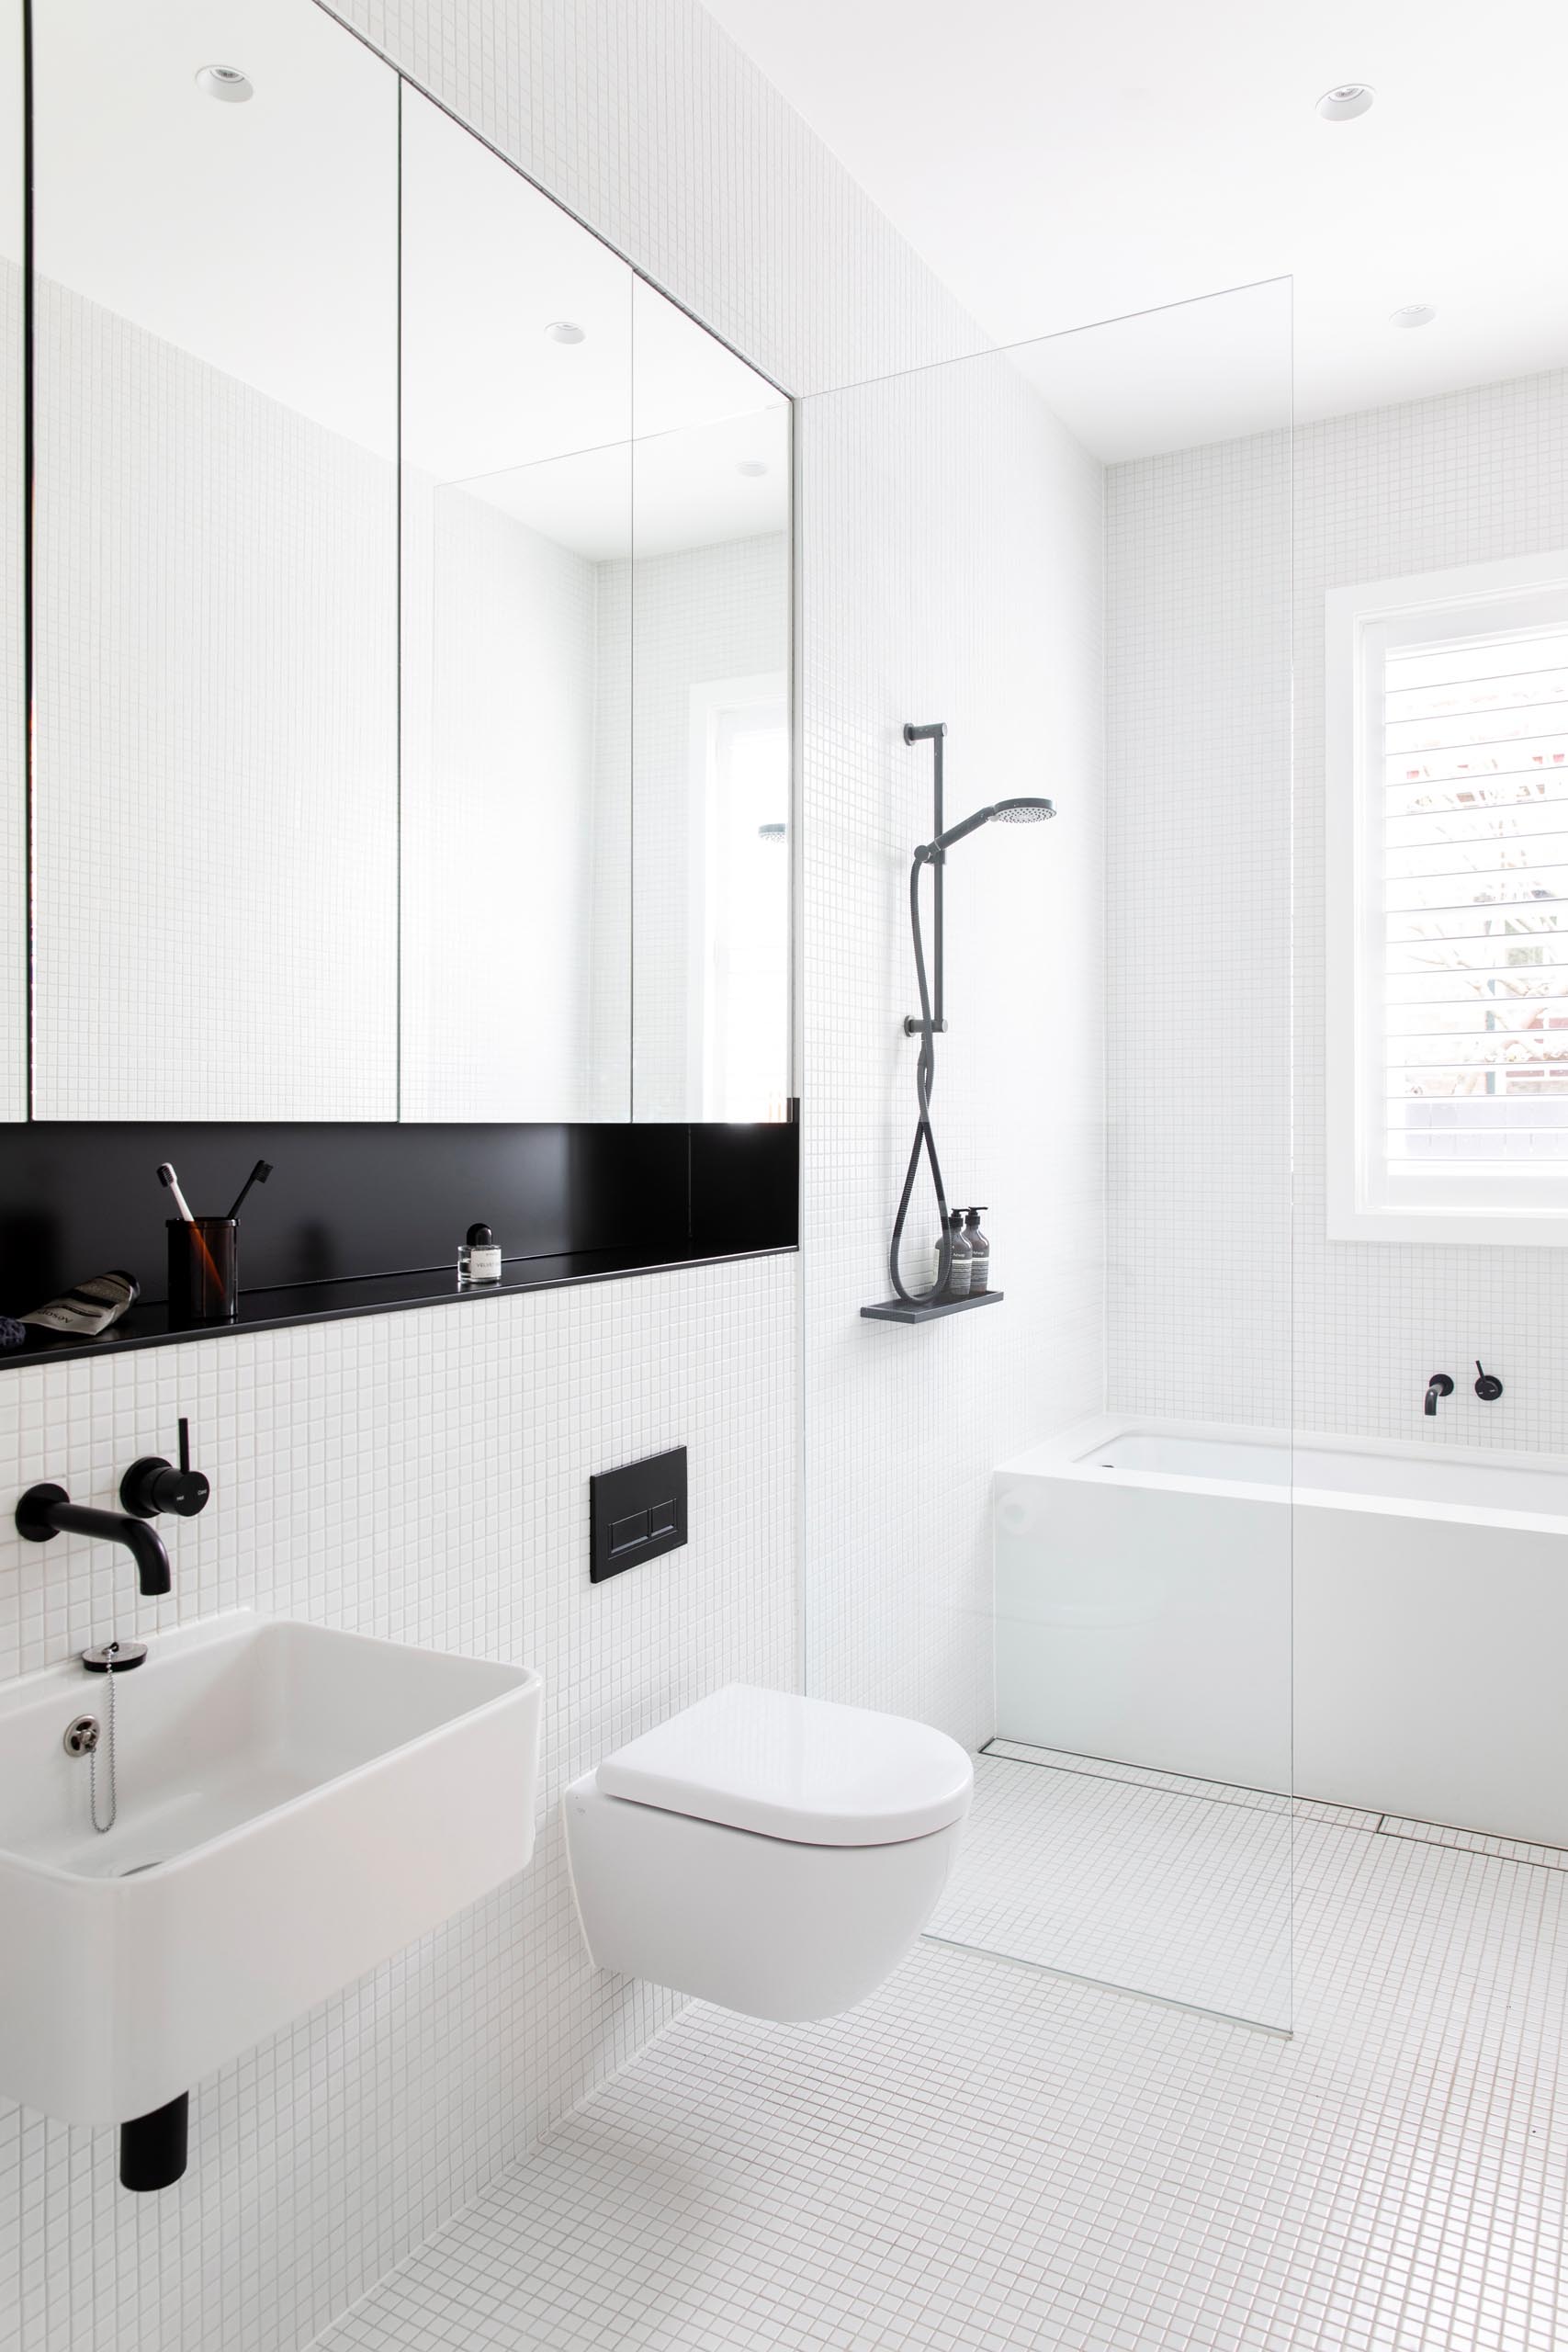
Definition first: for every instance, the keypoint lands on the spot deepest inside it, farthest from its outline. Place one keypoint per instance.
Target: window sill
(1447, 1227)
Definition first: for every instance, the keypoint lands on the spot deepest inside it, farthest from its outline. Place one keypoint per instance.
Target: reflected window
(740, 881)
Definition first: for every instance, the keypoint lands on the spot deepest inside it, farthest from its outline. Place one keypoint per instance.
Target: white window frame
(1365, 1202)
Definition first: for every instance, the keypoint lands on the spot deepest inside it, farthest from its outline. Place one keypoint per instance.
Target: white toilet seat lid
(805, 1769)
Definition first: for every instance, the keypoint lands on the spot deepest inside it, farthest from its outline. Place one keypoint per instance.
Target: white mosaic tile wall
(1217, 1308)
(422, 1477)
(950, 569)
(1198, 931)
(1463, 479)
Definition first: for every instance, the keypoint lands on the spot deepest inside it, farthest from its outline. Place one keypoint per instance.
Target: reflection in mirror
(13, 683)
(518, 878)
(596, 774)
(215, 820)
(707, 585)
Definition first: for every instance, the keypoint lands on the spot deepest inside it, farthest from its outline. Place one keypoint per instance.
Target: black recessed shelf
(896, 1310)
(365, 1219)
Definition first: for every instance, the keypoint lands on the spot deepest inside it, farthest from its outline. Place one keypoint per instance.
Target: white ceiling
(1058, 165)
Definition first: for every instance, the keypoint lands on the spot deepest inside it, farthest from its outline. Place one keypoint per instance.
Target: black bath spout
(45, 1511)
(1439, 1385)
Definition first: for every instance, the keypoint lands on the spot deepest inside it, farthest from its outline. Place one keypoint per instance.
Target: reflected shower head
(1000, 812)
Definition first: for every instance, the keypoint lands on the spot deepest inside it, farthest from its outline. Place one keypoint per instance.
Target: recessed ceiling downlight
(226, 84)
(1346, 101)
(566, 331)
(751, 467)
(1413, 314)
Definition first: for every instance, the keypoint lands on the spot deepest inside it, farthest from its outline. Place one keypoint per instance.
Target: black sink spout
(45, 1511)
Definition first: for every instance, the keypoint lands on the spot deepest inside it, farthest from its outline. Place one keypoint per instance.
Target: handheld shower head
(1022, 812)
(1000, 812)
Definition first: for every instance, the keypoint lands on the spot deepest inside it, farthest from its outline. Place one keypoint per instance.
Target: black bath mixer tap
(1439, 1385)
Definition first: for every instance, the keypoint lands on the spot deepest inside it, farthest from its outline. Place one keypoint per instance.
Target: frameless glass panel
(1070, 1545)
(517, 475)
(13, 526)
(708, 596)
(215, 815)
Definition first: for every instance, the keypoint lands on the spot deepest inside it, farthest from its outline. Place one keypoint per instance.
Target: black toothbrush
(258, 1175)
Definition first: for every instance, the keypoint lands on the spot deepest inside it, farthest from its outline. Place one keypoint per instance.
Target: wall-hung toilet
(775, 1854)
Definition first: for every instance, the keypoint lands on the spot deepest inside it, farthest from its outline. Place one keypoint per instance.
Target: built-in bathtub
(1376, 1624)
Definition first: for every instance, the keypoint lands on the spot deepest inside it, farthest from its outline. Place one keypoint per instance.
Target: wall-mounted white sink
(295, 1805)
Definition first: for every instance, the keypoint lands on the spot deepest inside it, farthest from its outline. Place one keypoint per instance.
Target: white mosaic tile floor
(1136, 1880)
(987, 2158)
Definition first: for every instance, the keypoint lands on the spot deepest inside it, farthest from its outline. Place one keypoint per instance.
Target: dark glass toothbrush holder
(204, 1270)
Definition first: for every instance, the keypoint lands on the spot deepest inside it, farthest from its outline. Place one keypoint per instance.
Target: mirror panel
(216, 791)
(411, 618)
(13, 581)
(516, 678)
(710, 607)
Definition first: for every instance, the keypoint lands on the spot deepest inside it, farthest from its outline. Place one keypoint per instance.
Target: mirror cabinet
(410, 616)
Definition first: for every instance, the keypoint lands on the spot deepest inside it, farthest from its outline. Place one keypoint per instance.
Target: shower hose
(925, 1071)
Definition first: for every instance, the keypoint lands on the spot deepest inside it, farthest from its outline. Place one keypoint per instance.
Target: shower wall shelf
(897, 1310)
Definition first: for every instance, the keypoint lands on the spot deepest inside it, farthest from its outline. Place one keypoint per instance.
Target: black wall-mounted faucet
(149, 1486)
(1439, 1385)
(46, 1511)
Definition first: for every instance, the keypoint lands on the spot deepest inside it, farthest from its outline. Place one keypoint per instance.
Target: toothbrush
(258, 1175)
(166, 1177)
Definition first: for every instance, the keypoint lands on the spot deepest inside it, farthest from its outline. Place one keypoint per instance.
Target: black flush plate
(636, 1512)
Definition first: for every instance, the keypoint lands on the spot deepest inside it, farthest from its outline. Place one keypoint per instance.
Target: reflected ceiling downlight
(566, 331)
(1413, 314)
(752, 468)
(226, 84)
(1346, 101)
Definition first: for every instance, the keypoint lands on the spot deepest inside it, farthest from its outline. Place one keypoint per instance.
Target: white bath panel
(1376, 1624)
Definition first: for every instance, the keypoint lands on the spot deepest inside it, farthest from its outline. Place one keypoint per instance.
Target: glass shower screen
(1061, 1528)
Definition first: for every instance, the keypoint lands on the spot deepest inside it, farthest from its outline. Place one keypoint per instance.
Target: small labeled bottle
(958, 1272)
(979, 1252)
(479, 1260)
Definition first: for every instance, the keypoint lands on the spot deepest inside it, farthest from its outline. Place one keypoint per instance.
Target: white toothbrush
(166, 1176)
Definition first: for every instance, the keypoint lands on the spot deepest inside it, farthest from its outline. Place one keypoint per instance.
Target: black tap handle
(152, 1485)
(1488, 1388)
